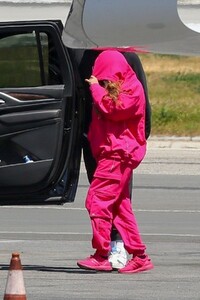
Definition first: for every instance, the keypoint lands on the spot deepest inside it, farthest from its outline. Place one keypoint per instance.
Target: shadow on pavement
(50, 269)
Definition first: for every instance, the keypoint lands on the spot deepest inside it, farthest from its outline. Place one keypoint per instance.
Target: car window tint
(28, 59)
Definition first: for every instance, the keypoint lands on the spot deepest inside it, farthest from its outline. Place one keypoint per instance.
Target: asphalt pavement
(174, 142)
(166, 201)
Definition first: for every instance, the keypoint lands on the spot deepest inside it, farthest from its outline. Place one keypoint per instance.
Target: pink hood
(117, 129)
(112, 65)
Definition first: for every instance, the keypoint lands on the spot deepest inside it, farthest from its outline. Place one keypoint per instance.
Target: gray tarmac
(166, 200)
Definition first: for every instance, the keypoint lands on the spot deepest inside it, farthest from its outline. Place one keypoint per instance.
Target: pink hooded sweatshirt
(117, 128)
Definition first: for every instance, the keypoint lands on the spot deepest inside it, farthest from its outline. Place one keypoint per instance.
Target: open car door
(145, 25)
(40, 124)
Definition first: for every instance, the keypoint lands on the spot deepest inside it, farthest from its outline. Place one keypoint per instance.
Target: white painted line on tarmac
(167, 210)
(43, 207)
(84, 209)
(171, 234)
(89, 233)
(172, 148)
(11, 241)
(43, 232)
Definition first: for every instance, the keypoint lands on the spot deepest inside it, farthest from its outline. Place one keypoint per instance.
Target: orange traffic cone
(15, 289)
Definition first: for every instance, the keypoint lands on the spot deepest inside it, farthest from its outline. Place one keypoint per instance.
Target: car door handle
(9, 100)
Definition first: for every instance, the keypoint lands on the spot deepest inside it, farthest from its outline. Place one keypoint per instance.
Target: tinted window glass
(26, 60)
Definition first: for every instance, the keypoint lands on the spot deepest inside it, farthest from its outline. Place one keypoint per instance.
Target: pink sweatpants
(108, 203)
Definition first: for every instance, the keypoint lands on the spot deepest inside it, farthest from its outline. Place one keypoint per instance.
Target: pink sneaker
(95, 262)
(137, 264)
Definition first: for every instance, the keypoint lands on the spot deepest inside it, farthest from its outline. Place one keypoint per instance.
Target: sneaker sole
(118, 266)
(100, 268)
(142, 269)
(117, 263)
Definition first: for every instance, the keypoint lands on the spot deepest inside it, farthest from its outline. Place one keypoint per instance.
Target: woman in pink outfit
(117, 139)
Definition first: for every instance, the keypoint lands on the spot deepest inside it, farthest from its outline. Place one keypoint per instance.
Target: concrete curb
(174, 142)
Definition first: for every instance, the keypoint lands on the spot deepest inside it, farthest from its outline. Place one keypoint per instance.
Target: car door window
(28, 59)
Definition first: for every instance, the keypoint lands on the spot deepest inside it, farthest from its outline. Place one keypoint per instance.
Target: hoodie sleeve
(127, 107)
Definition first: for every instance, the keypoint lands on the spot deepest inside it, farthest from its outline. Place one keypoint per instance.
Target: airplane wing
(144, 25)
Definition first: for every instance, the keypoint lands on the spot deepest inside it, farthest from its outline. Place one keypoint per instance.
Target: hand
(92, 80)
